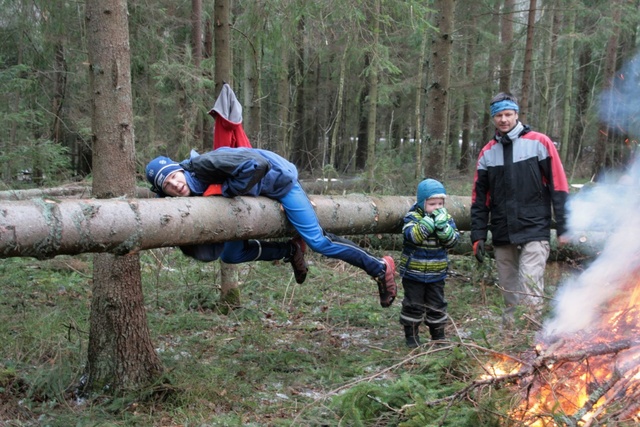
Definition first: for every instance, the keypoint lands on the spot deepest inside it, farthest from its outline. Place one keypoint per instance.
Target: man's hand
(564, 239)
(478, 250)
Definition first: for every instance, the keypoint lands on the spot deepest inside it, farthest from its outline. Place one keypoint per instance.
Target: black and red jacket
(519, 178)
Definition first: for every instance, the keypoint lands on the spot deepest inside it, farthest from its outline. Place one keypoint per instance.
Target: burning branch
(578, 385)
(594, 398)
(547, 381)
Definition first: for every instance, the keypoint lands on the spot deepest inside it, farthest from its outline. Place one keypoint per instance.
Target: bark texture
(120, 354)
(44, 228)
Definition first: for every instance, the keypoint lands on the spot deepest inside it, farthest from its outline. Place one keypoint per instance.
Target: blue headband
(505, 104)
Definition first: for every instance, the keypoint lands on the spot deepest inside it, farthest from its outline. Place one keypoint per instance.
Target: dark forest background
(381, 88)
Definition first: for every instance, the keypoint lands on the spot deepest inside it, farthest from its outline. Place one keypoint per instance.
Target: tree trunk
(228, 272)
(372, 109)
(207, 53)
(72, 191)
(120, 354)
(362, 146)
(465, 149)
(452, 142)
(506, 40)
(569, 100)
(492, 76)
(299, 156)
(339, 105)
(7, 144)
(549, 55)
(46, 228)
(600, 158)
(438, 89)
(528, 62)
(285, 127)
(583, 96)
(417, 109)
(59, 89)
(196, 47)
(252, 96)
(586, 248)
(222, 41)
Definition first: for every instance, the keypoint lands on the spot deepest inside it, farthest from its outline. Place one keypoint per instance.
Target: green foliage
(321, 353)
(46, 157)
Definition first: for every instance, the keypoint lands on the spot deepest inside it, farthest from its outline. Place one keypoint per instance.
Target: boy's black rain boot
(411, 336)
(437, 331)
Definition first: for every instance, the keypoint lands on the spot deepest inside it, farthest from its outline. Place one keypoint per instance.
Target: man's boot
(411, 336)
(298, 263)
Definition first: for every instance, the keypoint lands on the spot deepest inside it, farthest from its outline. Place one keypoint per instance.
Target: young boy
(428, 232)
(256, 172)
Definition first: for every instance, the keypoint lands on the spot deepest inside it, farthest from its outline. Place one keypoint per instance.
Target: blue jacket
(242, 172)
(424, 255)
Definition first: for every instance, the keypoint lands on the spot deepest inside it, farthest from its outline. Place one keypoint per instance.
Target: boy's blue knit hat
(429, 189)
(158, 170)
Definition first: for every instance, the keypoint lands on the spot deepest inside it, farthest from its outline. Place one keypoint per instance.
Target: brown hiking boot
(297, 261)
(387, 283)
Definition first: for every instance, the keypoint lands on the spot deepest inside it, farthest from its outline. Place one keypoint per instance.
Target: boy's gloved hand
(478, 250)
(428, 223)
(440, 217)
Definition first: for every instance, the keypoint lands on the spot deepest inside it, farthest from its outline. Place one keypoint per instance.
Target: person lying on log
(255, 172)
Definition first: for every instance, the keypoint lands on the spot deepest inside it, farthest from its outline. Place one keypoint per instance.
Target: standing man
(519, 178)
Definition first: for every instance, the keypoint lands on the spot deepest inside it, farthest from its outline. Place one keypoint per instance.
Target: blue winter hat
(429, 189)
(158, 170)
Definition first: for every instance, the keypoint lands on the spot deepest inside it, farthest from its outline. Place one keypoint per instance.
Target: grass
(319, 354)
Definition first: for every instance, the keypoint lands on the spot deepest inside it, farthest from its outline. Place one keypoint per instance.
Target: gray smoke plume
(612, 207)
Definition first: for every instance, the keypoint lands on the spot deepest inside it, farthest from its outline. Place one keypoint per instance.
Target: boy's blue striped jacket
(425, 255)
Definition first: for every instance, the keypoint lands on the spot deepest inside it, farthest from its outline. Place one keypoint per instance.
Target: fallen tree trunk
(44, 228)
(82, 190)
(77, 191)
(585, 246)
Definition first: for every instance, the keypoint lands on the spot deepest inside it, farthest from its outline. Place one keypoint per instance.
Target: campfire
(585, 369)
(592, 375)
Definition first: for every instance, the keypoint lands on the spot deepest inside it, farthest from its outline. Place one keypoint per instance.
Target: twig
(376, 399)
(532, 320)
(370, 378)
(596, 395)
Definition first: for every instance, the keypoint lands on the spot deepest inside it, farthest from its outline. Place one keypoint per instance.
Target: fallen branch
(528, 372)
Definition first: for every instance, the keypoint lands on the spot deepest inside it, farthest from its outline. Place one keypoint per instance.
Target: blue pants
(238, 251)
(300, 213)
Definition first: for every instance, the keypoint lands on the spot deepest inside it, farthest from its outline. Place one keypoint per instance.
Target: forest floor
(323, 353)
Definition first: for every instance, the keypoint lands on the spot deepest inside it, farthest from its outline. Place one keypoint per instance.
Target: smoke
(618, 105)
(611, 208)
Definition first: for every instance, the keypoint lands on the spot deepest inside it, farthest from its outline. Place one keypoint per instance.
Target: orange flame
(586, 372)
